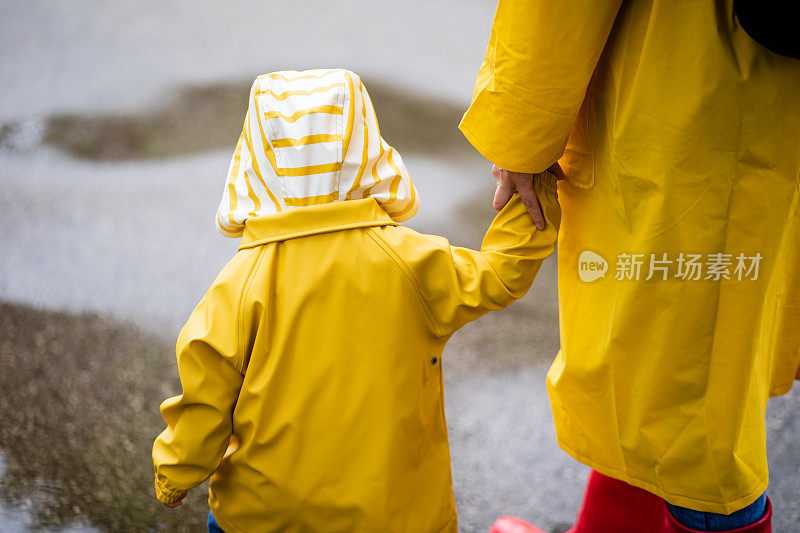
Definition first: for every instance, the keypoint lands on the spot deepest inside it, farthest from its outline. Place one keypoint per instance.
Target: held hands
(177, 502)
(509, 182)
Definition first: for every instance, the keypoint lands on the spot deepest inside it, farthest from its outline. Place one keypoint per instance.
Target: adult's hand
(509, 182)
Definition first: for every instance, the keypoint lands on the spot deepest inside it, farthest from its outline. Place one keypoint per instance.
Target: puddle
(209, 117)
(19, 518)
(22, 136)
(79, 414)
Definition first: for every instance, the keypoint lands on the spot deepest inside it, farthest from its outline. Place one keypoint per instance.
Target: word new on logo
(591, 266)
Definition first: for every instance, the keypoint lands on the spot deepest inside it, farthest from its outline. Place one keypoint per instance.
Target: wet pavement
(131, 236)
(90, 56)
(136, 240)
(19, 519)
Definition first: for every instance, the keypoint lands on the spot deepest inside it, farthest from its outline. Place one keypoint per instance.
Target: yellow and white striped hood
(310, 138)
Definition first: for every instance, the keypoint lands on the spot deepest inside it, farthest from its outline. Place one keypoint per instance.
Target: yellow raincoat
(311, 370)
(679, 252)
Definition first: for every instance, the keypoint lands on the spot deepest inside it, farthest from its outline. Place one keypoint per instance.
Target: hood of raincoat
(311, 138)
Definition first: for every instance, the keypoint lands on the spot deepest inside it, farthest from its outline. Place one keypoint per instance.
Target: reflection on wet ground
(79, 417)
(209, 117)
(20, 517)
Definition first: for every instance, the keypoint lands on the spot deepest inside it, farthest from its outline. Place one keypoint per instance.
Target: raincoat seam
(318, 230)
(409, 275)
(585, 126)
(242, 303)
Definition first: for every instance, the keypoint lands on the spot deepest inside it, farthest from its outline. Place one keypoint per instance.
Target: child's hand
(510, 182)
(177, 502)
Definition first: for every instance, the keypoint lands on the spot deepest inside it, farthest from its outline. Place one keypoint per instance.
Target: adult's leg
(613, 506)
(213, 527)
(756, 517)
(609, 506)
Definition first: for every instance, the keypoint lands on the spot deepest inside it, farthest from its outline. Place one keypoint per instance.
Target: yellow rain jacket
(679, 253)
(312, 373)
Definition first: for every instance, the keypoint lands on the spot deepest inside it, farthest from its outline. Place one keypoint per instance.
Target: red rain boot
(762, 526)
(609, 506)
(613, 506)
(512, 524)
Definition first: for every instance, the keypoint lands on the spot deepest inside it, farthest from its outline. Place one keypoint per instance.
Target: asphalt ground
(116, 126)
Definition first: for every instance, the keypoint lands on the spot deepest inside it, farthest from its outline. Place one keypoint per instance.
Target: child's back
(317, 353)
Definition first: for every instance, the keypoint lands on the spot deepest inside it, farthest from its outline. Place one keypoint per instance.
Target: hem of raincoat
(451, 526)
(780, 390)
(495, 157)
(697, 503)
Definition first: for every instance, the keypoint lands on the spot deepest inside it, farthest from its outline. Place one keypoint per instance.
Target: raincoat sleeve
(458, 285)
(533, 80)
(199, 421)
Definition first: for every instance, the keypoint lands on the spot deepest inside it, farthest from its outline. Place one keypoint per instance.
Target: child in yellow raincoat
(311, 369)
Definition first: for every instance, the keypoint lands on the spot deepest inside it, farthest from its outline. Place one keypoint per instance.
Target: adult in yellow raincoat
(679, 252)
(311, 369)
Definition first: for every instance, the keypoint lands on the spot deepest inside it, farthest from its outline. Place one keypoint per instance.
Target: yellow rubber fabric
(315, 358)
(682, 136)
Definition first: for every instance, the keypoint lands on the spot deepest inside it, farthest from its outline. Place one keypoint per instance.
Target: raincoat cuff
(495, 111)
(165, 494)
